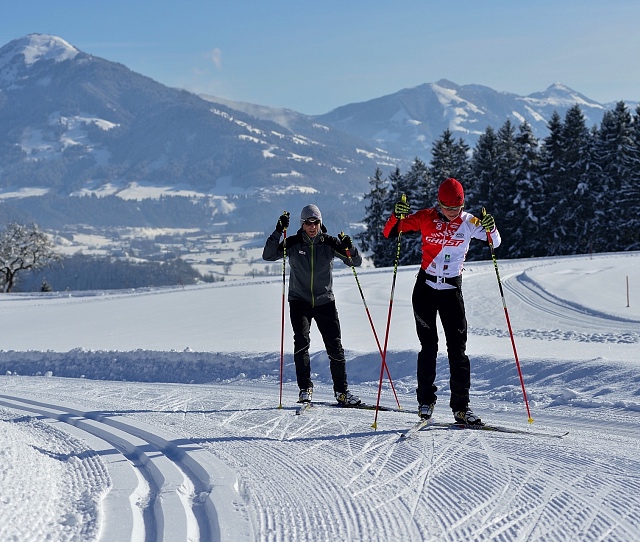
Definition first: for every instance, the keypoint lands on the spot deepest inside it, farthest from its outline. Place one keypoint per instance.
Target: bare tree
(23, 248)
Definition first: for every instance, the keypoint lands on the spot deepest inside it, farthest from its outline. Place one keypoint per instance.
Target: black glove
(283, 222)
(402, 208)
(331, 241)
(345, 241)
(334, 242)
(488, 223)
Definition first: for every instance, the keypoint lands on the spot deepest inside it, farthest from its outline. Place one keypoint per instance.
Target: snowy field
(155, 414)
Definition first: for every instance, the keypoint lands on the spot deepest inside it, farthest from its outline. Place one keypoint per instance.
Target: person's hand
(488, 222)
(402, 208)
(345, 241)
(332, 241)
(283, 222)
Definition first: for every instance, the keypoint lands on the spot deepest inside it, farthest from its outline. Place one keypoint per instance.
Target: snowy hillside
(109, 129)
(408, 122)
(155, 414)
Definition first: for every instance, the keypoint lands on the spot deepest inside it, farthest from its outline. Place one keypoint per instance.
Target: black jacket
(311, 263)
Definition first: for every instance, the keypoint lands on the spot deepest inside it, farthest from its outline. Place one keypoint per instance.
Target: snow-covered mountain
(17, 56)
(407, 122)
(70, 122)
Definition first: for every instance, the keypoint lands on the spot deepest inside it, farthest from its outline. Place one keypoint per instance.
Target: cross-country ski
(303, 407)
(432, 424)
(418, 426)
(300, 408)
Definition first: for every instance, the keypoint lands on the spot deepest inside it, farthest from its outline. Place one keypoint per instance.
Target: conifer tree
(575, 194)
(613, 154)
(507, 159)
(523, 218)
(589, 194)
(480, 194)
(484, 170)
(552, 179)
(631, 192)
(371, 239)
(449, 158)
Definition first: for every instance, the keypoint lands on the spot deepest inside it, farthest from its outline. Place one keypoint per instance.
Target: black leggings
(449, 303)
(326, 317)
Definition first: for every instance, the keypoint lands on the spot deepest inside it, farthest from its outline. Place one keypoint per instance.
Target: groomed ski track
(356, 482)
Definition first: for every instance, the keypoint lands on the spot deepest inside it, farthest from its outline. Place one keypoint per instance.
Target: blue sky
(315, 56)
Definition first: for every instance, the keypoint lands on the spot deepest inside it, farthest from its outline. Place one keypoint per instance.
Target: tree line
(86, 272)
(575, 191)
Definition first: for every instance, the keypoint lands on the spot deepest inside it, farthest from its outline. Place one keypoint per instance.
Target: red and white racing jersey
(444, 244)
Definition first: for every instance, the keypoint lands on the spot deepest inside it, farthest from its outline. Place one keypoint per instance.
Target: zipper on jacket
(312, 245)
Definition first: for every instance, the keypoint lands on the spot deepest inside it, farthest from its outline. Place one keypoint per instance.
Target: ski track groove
(559, 498)
(425, 474)
(174, 510)
(386, 455)
(535, 297)
(586, 484)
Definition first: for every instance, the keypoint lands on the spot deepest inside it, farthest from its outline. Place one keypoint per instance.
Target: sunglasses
(447, 208)
(312, 222)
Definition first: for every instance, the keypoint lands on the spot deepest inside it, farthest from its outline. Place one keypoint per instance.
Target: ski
(419, 425)
(502, 429)
(495, 428)
(302, 407)
(361, 406)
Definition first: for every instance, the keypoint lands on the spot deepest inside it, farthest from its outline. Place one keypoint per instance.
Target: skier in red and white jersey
(445, 231)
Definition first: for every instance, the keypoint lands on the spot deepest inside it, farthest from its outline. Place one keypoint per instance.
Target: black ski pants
(449, 304)
(326, 317)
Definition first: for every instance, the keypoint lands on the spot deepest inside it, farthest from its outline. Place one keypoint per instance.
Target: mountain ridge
(74, 124)
(81, 121)
(407, 122)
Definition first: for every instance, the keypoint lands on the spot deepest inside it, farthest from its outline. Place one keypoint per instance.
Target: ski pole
(366, 308)
(506, 314)
(386, 335)
(284, 266)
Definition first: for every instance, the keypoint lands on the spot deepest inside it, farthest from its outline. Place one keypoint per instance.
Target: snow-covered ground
(155, 414)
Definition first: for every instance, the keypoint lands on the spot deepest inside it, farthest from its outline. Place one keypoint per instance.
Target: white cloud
(215, 56)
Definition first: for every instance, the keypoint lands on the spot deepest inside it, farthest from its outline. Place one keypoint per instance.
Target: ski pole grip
(347, 251)
(404, 200)
(484, 213)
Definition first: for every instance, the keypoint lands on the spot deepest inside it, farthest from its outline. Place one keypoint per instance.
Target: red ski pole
(386, 334)
(506, 314)
(284, 266)
(366, 308)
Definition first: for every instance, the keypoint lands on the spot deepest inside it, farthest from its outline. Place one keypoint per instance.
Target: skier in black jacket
(311, 252)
